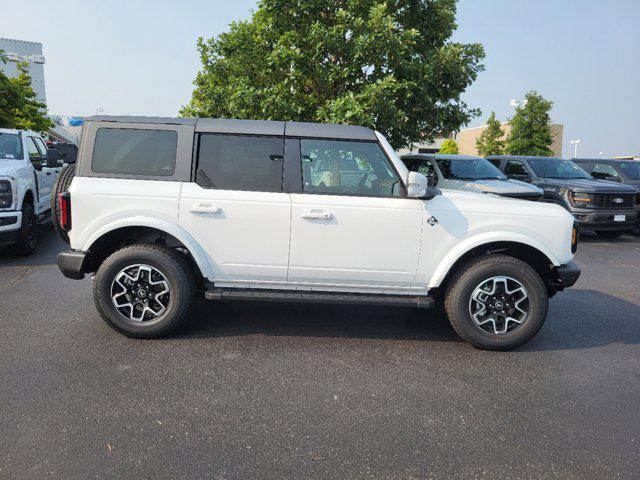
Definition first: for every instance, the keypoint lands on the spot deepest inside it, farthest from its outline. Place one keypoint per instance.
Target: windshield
(556, 168)
(631, 170)
(469, 169)
(10, 146)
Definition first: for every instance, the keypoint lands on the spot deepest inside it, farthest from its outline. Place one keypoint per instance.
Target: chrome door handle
(204, 209)
(317, 215)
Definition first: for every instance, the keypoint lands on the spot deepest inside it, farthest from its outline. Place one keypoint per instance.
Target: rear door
(236, 209)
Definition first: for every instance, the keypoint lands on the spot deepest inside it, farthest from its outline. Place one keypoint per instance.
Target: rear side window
(135, 152)
(237, 162)
(515, 167)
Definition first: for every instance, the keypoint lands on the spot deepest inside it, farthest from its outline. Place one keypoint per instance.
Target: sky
(138, 57)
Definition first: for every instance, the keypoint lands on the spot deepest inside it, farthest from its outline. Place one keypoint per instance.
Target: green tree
(386, 64)
(531, 128)
(19, 107)
(489, 142)
(449, 146)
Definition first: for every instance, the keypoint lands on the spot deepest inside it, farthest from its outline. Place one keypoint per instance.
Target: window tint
(495, 162)
(516, 168)
(631, 170)
(347, 168)
(10, 146)
(604, 171)
(468, 169)
(34, 153)
(236, 162)
(135, 152)
(42, 148)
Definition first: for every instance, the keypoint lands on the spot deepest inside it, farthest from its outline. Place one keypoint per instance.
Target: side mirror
(417, 185)
(54, 158)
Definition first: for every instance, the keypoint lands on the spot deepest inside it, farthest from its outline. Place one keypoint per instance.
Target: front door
(44, 176)
(236, 209)
(352, 226)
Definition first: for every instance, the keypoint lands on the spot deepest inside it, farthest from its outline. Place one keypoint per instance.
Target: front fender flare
(485, 238)
(178, 232)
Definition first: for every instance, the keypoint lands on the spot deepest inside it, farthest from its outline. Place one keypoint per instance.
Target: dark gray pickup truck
(608, 208)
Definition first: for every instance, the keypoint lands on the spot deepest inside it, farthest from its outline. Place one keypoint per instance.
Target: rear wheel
(28, 233)
(144, 291)
(62, 184)
(609, 233)
(496, 302)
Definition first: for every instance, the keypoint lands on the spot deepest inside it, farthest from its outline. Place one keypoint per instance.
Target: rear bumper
(567, 275)
(71, 264)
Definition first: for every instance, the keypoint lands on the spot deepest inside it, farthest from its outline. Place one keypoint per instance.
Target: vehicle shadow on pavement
(316, 320)
(587, 318)
(49, 245)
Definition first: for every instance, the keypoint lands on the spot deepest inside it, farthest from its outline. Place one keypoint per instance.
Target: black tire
(61, 185)
(471, 275)
(177, 272)
(609, 233)
(28, 233)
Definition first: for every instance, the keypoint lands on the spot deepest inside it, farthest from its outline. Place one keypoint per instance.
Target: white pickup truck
(28, 170)
(163, 209)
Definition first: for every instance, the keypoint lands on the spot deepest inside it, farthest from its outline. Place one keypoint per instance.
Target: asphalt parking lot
(251, 390)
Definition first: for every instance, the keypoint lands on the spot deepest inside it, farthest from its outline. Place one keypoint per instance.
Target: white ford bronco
(28, 171)
(163, 209)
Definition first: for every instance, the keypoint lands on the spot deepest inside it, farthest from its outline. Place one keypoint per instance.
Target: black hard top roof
(253, 127)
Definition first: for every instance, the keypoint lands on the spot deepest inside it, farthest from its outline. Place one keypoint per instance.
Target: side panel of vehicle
(449, 234)
(118, 199)
(244, 234)
(338, 240)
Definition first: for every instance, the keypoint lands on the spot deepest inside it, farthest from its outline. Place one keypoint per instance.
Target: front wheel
(28, 232)
(496, 302)
(144, 291)
(609, 233)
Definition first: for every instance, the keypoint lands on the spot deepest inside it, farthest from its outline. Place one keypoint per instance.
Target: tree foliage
(19, 107)
(386, 64)
(490, 140)
(531, 128)
(449, 146)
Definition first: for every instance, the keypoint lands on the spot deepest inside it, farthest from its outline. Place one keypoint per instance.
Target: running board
(43, 217)
(318, 297)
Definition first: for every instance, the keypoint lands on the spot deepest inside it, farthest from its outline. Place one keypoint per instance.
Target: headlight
(580, 199)
(6, 194)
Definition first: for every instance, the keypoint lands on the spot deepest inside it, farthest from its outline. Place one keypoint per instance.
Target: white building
(30, 52)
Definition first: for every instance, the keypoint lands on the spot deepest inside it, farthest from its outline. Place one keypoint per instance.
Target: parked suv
(28, 171)
(469, 173)
(161, 210)
(605, 207)
(620, 171)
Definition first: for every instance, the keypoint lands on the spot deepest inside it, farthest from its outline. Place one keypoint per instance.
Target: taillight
(575, 233)
(65, 211)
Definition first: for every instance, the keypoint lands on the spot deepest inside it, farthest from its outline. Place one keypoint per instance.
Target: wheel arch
(28, 197)
(541, 259)
(123, 232)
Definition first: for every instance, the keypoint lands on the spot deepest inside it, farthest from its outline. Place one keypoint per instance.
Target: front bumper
(603, 219)
(71, 264)
(10, 222)
(566, 275)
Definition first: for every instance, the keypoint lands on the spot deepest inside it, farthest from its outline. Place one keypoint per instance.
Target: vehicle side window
(135, 151)
(347, 168)
(240, 162)
(42, 148)
(604, 171)
(34, 153)
(495, 162)
(516, 168)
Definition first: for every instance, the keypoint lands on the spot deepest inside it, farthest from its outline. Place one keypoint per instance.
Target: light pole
(601, 154)
(575, 147)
